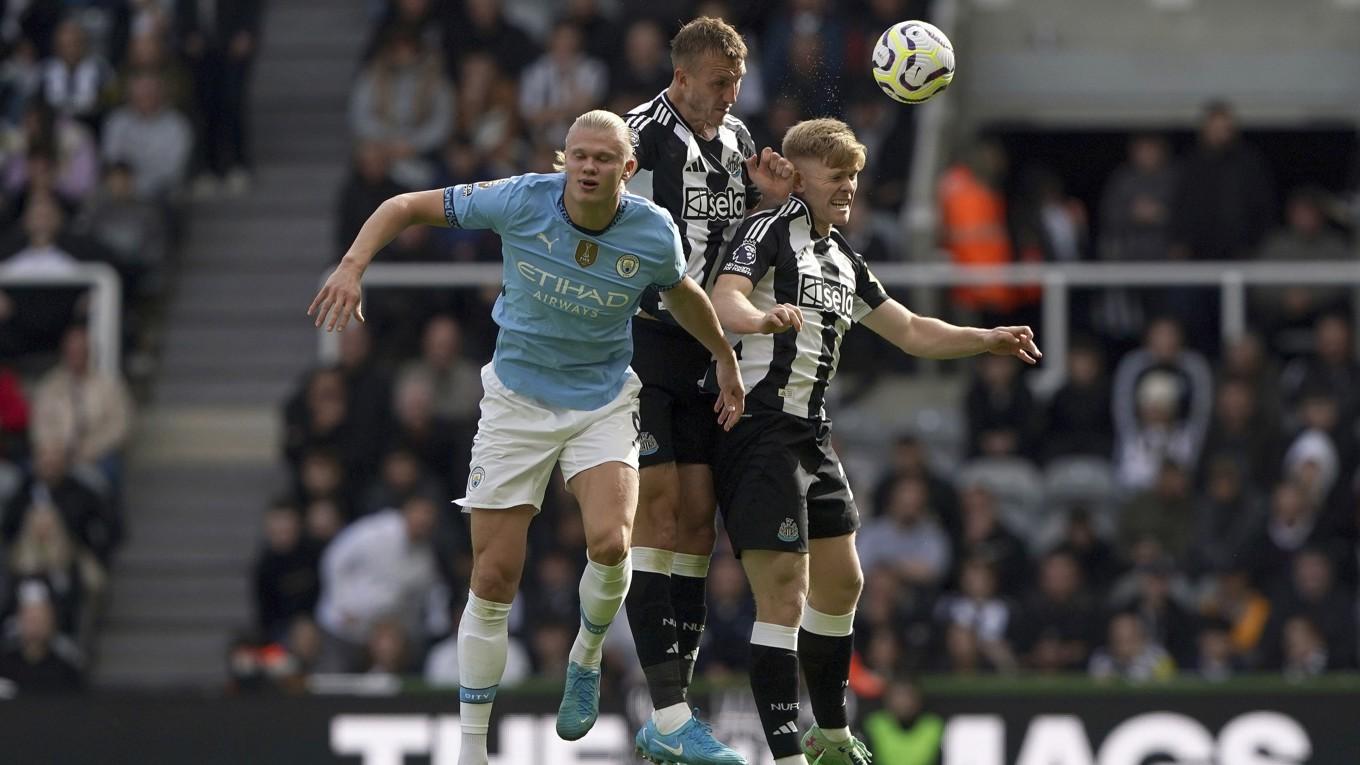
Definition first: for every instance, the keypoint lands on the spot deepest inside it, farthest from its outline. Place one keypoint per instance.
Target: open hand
(339, 298)
(731, 393)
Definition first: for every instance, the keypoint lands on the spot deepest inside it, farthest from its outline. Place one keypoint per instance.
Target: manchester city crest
(627, 266)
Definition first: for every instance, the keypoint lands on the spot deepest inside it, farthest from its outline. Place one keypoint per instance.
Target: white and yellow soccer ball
(913, 61)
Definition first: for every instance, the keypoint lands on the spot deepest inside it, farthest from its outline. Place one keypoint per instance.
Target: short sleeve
(750, 254)
(642, 131)
(486, 204)
(869, 292)
(672, 271)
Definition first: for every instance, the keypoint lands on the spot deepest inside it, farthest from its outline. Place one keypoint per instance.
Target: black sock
(653, 625)
(691, 614)
(826, 669)
(774, 684)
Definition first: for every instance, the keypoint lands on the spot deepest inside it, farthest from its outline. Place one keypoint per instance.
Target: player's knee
(608, 548)
(494, 580)
(695, 532)
(656, 517)
(783, 605)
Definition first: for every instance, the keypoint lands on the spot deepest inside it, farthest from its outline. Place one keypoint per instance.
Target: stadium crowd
(1175, 508)
(114, 116)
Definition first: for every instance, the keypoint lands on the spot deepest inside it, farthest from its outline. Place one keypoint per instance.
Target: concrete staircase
(206, 454)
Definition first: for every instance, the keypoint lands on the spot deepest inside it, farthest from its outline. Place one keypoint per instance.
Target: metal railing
(1056, 279)
(106, 306)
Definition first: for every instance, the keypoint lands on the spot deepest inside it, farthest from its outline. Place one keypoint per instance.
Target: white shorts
(520, 439)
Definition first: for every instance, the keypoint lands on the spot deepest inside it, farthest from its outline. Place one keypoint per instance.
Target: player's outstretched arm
(692, 309)
(732, 301)
(932, 338)
(339, 298)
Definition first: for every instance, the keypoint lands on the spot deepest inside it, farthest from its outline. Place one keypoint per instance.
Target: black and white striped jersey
(781, 254)
(702, 183)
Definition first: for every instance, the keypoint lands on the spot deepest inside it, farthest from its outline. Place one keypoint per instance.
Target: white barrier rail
(106, 306)
(1057, 279)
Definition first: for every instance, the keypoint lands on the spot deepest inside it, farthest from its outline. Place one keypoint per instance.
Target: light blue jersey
(568, 294)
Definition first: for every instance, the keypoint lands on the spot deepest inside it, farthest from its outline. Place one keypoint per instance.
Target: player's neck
(591, 216)
(698, 126)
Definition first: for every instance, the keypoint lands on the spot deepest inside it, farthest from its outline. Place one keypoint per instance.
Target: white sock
(687, 564)
(839, 735)
(669, 719)
(602, 591)
(793, 759)
(482, 639)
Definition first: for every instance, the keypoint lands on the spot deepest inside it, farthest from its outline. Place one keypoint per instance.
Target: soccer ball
(913, 61)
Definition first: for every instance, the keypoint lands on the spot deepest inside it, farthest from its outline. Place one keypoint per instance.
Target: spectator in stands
(132, 229)
(1004, 420)
(1312, 593)
(90, 519)
(730, 613)
(1056, 628)
(1164, 620)
(1215, 659)
(908, 458)
(1165, 513)
(457, 381)
(1135, 208)
(368, 185)
(388, 650)
(1049, 224)
(803, 53)
(600, 36)
(320, 418)
(402, 475)
(21, 79)
(440, 445)
(1224, 201)
(380, 567)
(482, 27)
(83, 409)
(322, 477)
(1306, 652)
(149, 51)
(34, 655)
(13, 412)
(1097, 558)
(1228, 516)
(551, 591)
(904, 731)
(1331, 366)
(151, 137)
(1292, 526)
(645, 69)
(75, 78)
(220, 40)
(1162, 402)
(986, 536)
(1078, 420)
(418, 16)
(1230, 598)
(1244, 434)
(286, 577)
(323, 519)
(906, 538)
(42, 253)
(64, 144)
(1314, 461)
(1289, 311)
(561, 84)
(403, 102)
(1131, 654)
(46, 551)
(974, 229)
(978, 608)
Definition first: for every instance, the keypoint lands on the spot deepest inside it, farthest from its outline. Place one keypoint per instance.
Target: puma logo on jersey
(544, 239)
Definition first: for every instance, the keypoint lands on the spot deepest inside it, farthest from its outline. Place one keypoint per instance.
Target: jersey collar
(562, 210)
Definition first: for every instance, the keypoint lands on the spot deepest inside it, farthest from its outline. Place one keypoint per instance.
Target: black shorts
(678, 422)
(779, 483)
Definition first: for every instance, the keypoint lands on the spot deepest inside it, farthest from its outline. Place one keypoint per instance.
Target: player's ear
(629, 167)
(797, 181)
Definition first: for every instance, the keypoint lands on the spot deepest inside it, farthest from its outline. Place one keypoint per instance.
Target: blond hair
(829, 140)
(599, 119)
(706, 35)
